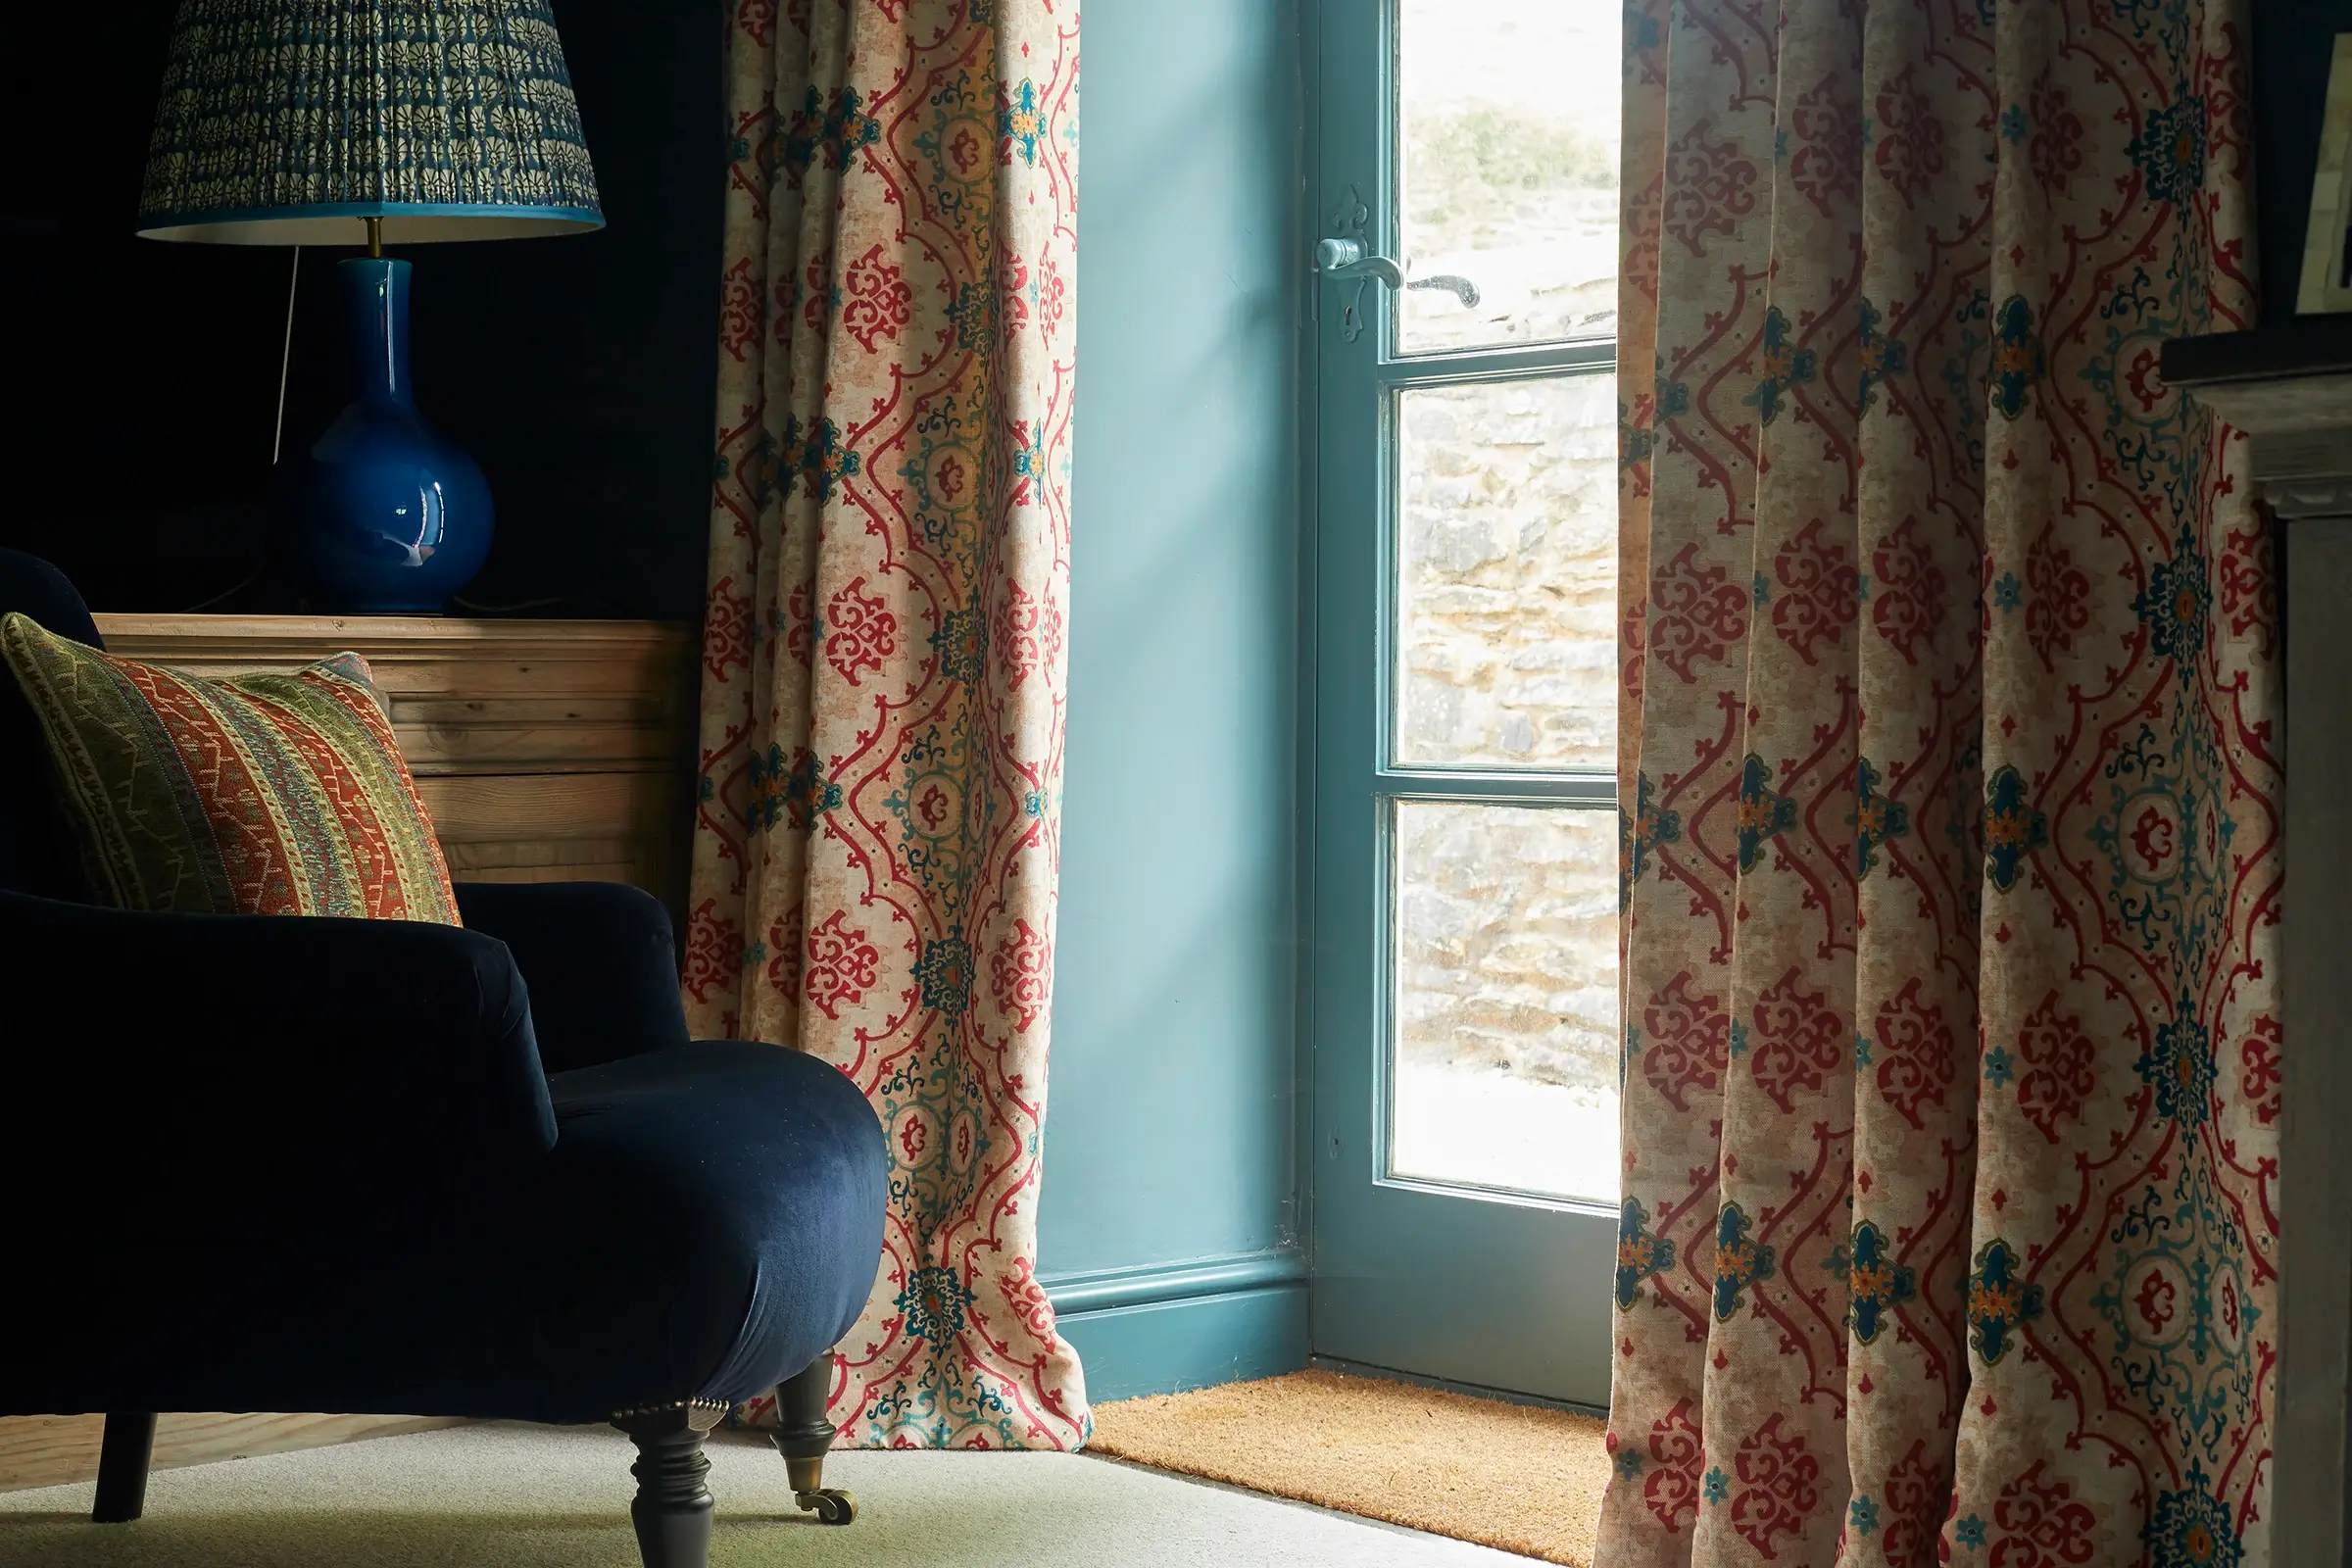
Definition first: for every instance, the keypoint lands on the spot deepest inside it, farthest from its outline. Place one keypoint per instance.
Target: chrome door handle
(1461, 288)
(1346, 258)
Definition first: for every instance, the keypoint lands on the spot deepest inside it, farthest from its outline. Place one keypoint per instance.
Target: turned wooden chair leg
(804, 1436)
(123, 1466)
(672, 1507)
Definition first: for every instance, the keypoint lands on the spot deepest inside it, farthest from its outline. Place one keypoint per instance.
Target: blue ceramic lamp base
(383, 514)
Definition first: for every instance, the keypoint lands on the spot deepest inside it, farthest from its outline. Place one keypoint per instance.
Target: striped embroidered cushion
(273, 794)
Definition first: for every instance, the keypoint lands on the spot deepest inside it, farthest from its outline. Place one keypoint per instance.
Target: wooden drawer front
(468, 695)
(457, 735)
(546, 750)
(557, 827)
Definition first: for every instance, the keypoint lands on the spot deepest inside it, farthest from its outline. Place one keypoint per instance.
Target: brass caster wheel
(832, 1506)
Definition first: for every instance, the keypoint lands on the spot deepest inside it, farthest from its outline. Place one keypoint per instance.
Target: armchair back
(37, 848)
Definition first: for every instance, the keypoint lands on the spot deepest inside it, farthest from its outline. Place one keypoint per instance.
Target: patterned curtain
(1951, 852)
(876, 843)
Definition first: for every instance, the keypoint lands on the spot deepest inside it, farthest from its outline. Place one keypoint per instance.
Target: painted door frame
(1485, 1291)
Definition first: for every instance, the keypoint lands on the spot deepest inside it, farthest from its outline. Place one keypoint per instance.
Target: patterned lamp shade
(288, 121)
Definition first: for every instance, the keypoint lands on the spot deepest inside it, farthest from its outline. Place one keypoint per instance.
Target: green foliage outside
(1473, 168)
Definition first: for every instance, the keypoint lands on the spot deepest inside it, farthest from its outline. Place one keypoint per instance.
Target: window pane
(1505, 1065)
(1506, 593)
(1507, 135)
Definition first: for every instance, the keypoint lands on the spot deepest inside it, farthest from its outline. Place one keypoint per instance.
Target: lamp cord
(238, 586)
(285, 358)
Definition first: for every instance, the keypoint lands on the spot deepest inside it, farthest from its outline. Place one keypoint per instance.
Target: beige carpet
(513, 1496)
(1524, 1478)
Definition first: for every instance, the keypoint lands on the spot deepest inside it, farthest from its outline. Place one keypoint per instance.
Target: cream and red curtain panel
(875, 845)
(1951, 749)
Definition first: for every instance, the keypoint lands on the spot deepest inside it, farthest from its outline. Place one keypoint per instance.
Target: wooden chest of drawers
(547, 750)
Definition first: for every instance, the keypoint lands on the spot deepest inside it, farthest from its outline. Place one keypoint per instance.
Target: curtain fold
(875, 844)
(1951, 776)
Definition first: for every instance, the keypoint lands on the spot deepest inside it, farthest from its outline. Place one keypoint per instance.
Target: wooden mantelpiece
(2289, 388)
(544, 750)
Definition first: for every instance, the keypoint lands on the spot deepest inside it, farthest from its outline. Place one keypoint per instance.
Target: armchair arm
(236, 1075)
(599, 960)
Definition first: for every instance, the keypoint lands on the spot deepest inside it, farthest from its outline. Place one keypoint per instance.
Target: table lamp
(387, 122)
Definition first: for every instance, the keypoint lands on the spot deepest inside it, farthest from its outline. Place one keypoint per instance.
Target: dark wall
(142, 378)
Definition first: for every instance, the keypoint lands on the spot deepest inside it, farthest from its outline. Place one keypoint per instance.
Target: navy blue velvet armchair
(278, 1163)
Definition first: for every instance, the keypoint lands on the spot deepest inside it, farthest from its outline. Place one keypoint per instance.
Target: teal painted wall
(1169, 1131)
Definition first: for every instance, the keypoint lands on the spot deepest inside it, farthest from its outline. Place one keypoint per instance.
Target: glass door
(1465, 949)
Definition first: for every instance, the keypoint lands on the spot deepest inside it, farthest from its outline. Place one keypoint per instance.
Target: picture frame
(2326, 283)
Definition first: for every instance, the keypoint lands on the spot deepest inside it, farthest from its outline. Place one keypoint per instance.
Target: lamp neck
(375, 297)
